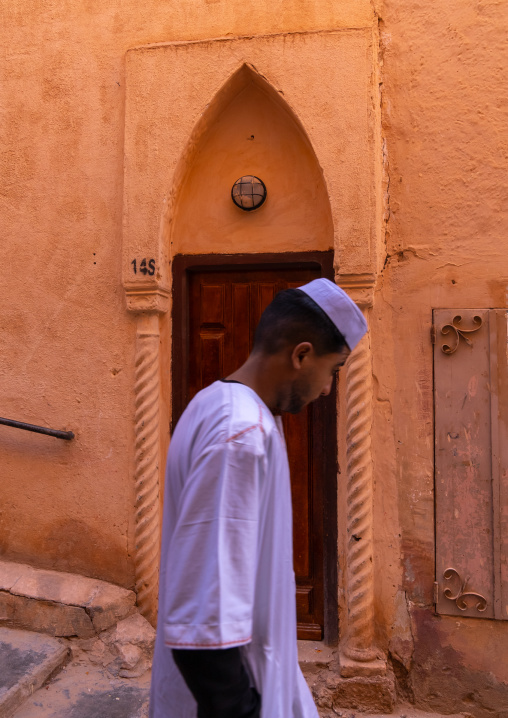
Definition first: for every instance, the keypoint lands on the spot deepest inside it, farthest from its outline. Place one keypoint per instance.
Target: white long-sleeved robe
(226, 576)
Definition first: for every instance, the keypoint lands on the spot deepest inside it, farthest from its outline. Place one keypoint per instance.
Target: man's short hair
(293, 317)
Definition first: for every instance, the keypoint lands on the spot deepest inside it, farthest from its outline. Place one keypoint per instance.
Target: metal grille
(248, 193)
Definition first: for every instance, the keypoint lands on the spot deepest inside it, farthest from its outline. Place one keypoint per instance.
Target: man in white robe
(226, 636)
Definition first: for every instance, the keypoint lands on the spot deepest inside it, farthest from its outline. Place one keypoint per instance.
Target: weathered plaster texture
(68, 344)
(444, 110)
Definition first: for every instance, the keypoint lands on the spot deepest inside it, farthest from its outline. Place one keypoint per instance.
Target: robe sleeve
(213, 550)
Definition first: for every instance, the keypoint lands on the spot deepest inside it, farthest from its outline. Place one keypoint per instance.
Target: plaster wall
(444, 108)
(68, 341)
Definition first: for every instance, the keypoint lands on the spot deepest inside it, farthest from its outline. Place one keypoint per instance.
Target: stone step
(87, 687)
(26, 660)
(59, 604)
(86, 691)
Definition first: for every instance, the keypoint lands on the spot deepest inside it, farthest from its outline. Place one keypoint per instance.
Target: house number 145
(146, 266)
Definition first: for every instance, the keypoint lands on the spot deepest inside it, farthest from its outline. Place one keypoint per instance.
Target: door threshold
(315, 653)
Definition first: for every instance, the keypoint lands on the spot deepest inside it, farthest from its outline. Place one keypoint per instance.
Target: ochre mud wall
(444, 100)
(68, 342)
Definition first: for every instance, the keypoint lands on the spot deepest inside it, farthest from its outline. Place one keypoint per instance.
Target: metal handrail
(66, 435)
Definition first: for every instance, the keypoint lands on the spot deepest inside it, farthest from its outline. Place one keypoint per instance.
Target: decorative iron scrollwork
(463, 592)
(459, 332)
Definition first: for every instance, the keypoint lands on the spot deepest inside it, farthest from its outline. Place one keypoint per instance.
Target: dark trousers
(218, 681)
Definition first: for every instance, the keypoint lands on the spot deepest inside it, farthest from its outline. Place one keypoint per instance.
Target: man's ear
(299, 353)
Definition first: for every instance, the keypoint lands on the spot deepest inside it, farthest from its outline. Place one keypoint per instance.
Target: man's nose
(327, 388)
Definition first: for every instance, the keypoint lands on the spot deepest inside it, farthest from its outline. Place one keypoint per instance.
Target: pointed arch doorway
(217, 303)
(171, 88)
(228, 266)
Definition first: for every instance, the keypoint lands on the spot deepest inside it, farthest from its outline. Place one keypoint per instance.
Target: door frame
(182, 266)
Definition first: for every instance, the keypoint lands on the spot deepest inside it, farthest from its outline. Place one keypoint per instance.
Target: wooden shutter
(471, 462)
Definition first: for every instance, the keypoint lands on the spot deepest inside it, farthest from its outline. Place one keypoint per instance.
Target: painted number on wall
(146, 266)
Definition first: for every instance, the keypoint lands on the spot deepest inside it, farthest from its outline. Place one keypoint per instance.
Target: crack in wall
(401, 255)
(385, 164)
(401, 648)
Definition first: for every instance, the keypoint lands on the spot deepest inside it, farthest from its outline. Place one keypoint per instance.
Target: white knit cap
(343, 312)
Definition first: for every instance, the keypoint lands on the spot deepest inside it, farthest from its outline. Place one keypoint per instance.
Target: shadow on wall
(72, 545)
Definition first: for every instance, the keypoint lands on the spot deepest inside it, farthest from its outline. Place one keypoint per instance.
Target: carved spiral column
(358, 650)
(360, 573)
(146, 472)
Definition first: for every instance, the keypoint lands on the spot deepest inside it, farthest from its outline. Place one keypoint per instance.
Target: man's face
(313, 376)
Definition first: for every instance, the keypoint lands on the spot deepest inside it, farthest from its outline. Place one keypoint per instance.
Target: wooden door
(223, 308)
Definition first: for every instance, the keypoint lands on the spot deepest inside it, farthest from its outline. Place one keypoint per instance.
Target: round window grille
(248, 193)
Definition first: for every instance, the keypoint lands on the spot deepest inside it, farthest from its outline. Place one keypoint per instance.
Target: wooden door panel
(266, 292)
(212, 304)
(224, 308)
(296, 431)
(241, 315)
(211, 354)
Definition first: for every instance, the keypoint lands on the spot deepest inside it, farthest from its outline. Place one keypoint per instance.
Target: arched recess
(167, 88)
(248, 128)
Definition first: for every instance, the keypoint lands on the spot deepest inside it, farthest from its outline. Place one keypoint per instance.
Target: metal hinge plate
(436, 592)
(433, 334)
